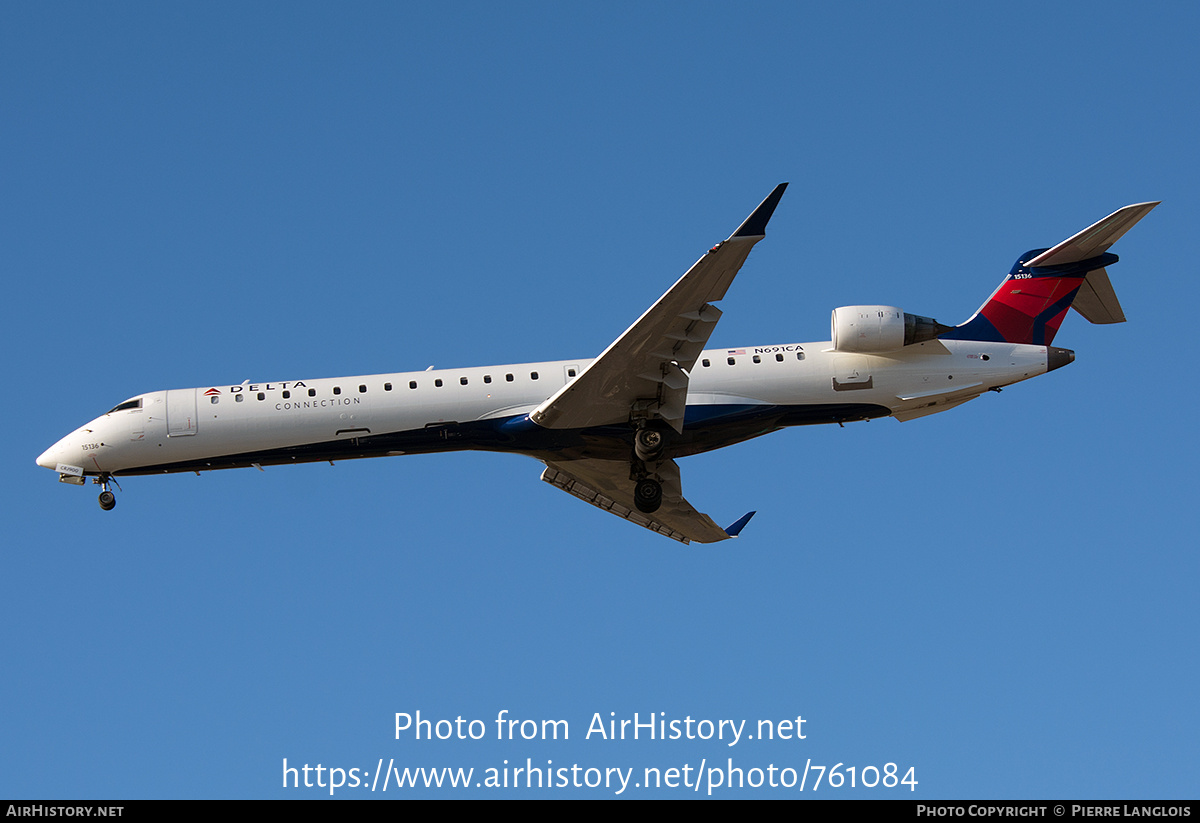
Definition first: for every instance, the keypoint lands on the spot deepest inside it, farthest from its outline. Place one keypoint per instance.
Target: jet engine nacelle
(880, 329)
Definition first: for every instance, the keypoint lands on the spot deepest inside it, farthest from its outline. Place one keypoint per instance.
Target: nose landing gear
(108, 500)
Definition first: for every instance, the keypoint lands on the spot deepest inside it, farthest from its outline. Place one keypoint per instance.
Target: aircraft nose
(60, 452)
(49, 458)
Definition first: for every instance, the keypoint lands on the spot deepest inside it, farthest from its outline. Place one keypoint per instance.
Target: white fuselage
(475, 408)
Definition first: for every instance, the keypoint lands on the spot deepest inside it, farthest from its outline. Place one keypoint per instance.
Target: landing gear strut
(108, 500)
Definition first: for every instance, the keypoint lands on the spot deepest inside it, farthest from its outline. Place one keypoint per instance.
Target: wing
(647, 367)
(606, 485)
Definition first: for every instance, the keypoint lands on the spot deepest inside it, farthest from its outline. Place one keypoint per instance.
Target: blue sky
(1001, 597)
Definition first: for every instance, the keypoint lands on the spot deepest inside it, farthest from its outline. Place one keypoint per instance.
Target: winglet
(737, 527)
(756, 223)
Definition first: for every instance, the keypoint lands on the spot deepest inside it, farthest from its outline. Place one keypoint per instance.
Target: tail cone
(1056, 358)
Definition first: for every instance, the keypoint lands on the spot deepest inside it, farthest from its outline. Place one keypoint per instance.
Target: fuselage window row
(732, 361)
(362, 388)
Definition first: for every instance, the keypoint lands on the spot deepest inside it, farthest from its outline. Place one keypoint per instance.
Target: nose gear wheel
(107, 499)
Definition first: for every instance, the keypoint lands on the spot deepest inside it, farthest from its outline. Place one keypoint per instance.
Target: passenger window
(799, 355)
(533, 375)
(779, 358)
(387, 386)
(215, 399)
(262, 396)
(312, 392)
(462, 380)
(412, 384)
(508, 377)
(438, 382)
(362, 389)
(487, 378)
(757, 359)
(731, 361)
(705, 363)
(570, 372)
(337, 389)
(286, 395)
(238, 398)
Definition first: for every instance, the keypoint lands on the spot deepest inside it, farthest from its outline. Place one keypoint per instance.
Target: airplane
(609, 430)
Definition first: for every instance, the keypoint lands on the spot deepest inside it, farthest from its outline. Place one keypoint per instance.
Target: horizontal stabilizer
(1097, 301)
(1095, 239)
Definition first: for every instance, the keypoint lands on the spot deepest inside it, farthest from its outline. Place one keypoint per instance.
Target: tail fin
(1033, 299)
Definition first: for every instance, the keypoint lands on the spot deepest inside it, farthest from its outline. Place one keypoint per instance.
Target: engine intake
(880, 328)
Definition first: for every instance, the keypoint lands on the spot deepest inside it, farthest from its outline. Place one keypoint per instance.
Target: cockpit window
(128, 404)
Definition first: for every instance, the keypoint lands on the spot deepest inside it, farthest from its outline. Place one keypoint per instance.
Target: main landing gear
(647, 495)
(108, 500)
(648, 446)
